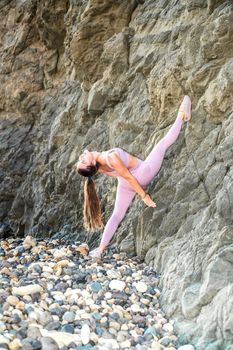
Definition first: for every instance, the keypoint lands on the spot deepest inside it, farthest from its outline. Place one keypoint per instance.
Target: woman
(133, 175)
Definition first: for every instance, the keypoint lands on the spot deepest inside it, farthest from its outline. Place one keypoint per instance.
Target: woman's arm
(122, 171)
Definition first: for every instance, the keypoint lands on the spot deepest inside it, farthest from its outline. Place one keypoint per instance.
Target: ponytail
(91, 209)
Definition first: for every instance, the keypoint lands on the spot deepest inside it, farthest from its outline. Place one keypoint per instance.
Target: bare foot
(95, 254)
(185, 109)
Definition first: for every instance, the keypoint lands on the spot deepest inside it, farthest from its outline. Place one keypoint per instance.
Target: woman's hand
(148, 201)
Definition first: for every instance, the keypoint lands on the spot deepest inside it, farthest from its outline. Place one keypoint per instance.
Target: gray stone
(33, 332)
(44, 318)
(49, 343)
(69, 316)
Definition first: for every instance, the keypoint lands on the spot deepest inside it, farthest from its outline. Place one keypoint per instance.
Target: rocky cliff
(104, 73)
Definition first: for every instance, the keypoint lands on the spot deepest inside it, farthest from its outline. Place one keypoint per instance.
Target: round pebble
(12, 300)
(141, 287)
(117, 285)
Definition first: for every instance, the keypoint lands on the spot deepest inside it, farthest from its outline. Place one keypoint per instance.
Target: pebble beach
(53, 296)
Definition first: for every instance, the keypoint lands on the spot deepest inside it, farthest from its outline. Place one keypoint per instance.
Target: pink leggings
(144, 172)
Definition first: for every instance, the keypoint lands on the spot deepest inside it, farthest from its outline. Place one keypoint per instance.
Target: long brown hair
(91, 209)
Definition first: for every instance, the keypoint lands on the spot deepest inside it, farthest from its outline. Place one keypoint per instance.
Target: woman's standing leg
(124, 198)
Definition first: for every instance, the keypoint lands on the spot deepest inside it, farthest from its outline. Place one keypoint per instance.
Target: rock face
(99, 74)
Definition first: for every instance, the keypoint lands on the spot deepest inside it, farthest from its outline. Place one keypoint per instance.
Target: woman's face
(85, 159)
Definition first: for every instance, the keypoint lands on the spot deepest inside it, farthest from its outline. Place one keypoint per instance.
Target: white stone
(85, 334)
(59, 297)
(128, 279)
(117, 285)
(94, 308)
(33, 316)
(186, 347)
(47, 269)
(108, 295)
(4, 340)
(25, 290)
(135, 308)
(59, 253)
(124, 327)
(136, 276)
(167, 327)
(89, 301)
(94, 337)
(85, 316)
(133, 333)
(85, 294)
(50, 286)
(156, 345)
(62, 338)
(125, 344)
(114, 325)
(29, 242)
(113, 274)
(140, 286)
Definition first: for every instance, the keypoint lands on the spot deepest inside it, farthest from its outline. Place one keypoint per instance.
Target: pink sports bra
(124, 156)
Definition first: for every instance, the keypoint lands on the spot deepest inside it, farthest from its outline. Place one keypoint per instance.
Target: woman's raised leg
(156, 156)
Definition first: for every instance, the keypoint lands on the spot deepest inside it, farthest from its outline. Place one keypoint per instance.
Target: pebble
(140, 286)
(135, 308)
(95, 287)
(61, 338)
(117, 285)
(56, 298)
(63, 263)
(12, 300)
(15, 344)
(69, 316)
(156, 346)
(29, 289)
(167, 327)
(29, 242)
(48, 343)
(4, 340)
(85, 334)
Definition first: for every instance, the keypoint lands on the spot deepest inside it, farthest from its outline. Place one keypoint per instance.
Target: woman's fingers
(152, 204)
(148, 201)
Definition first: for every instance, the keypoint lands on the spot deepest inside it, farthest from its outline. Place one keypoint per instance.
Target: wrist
(143, 197)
